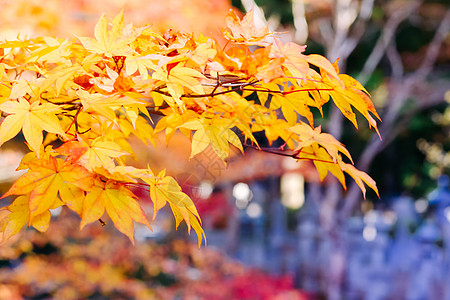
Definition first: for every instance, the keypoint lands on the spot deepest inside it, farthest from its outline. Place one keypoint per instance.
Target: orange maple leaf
(244, 32)
(46, 179)
(120, 204)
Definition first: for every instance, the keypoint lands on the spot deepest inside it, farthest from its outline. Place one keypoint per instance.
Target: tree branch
(385, 39)
(402, 93)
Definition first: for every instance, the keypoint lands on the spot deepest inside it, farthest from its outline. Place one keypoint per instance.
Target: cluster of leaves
(82, 265)
(90, 95)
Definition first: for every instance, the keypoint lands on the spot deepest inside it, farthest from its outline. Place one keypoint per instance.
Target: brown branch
(288, 92)
(238, 88)
(74, 119)
(281, 152)
(156, 112)
(385, 39)
(395, 60)
(433, 49)
(6, 85)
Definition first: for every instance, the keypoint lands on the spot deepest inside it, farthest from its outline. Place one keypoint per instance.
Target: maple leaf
(92, 154)
(324, 64)
(23, 88)
(273, 128)
(99, 91)
(118, 201)
(216, 132)
(165, 189)
(73, 149)
(294, 60)
(142, 64)
(51, 51)
(46, 179)
(104, 105)
(60, 76)
(244, 32)
(172, 121)
(308, 136)
(178, 78)
(31, 119)
(359, 98)
(113, 42)
(323, 163)
(141, 129)
(323, 150)
(360, 177)
(292, 104)
(17, 215)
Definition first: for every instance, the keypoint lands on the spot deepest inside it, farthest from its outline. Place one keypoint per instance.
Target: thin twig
(294, 155)
(384, 40)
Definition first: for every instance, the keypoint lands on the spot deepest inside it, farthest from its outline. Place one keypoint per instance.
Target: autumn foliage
(77, 103)
(73, 264)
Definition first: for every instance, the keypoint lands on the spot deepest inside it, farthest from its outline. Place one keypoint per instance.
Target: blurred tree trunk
(403, 86)
(340, 32)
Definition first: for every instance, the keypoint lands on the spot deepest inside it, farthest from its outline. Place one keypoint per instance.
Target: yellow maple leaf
(17, 215)
(292, 104)
(46, 179)
(323, 162)
(120, 204)
(273, 128)
(31, 119)
(324, 64)
(95, 153)
(142, 64)
(357, 96)
(177, 79)
(165, 189)
(52, 51)
(308, 136)
(141, 129)
(360, 177)
(60, 76)
(216, 132)
(105, 105)
(114, 41)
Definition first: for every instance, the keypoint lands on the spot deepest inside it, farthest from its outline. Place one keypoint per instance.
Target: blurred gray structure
(400, 252)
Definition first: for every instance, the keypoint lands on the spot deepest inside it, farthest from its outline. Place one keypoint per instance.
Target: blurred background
(274, 231)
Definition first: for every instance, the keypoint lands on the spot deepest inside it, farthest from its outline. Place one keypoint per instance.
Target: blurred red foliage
(66, 263)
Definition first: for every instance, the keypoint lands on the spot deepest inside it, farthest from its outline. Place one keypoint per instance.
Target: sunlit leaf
(120, 204)
(163, 190)
(46, 179)
(31, 119)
